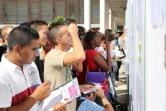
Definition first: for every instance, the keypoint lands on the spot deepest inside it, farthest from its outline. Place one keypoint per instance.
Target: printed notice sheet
(65, 94)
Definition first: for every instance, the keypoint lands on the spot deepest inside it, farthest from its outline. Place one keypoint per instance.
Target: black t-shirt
(2, 51)
(40, 65)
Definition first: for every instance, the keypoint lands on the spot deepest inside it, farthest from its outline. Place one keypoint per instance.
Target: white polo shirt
(15, 84)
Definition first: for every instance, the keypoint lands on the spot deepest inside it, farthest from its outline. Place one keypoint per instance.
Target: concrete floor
(121, 88)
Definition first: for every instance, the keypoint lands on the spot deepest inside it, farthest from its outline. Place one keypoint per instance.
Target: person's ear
(4, 36)
(17, 48)
(92, 41)
(58, 40)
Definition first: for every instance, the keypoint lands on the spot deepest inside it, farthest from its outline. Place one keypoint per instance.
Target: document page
(65, 93)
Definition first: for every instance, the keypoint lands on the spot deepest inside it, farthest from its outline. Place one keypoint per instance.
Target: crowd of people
(35, 53)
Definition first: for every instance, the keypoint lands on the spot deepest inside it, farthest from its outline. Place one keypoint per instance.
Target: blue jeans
(113, 78)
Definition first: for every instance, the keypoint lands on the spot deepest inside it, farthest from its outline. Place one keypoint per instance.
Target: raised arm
(78, 54)
(100, 61)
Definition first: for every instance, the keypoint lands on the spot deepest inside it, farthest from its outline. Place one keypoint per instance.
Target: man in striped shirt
(86, 102)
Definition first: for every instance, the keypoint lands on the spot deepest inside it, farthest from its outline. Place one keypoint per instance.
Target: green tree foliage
(59, 19)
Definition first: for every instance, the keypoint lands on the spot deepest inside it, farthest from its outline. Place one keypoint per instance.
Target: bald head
(5, 32)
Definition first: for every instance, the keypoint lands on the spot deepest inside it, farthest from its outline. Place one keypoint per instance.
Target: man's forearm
(26, 105)
(107, 104)
(77, 46)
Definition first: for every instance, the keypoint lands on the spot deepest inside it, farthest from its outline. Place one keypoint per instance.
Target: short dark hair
(103, 37)
(22, 36)
(36, 24)
(81, 32)
(111, 37)
(25, 24)
(68, 21)
(107, 31)
(54, 29)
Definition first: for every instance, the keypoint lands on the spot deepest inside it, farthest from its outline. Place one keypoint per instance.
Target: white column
(102, 16)
(110, 18)
(106, 16)
(112, 21)
(115, 26)
(87, 14)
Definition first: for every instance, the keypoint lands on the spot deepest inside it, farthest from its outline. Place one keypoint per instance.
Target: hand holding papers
(86, 86)
(85, 91)
(119, 54)
(65, 94)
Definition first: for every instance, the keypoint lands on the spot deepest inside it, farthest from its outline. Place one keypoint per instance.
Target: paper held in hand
(97, 86)
(65, 93)
(119, 54)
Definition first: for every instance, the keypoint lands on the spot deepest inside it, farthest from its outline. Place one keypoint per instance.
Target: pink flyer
(73, 91)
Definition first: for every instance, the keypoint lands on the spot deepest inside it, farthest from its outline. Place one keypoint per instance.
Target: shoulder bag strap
(87, 65)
